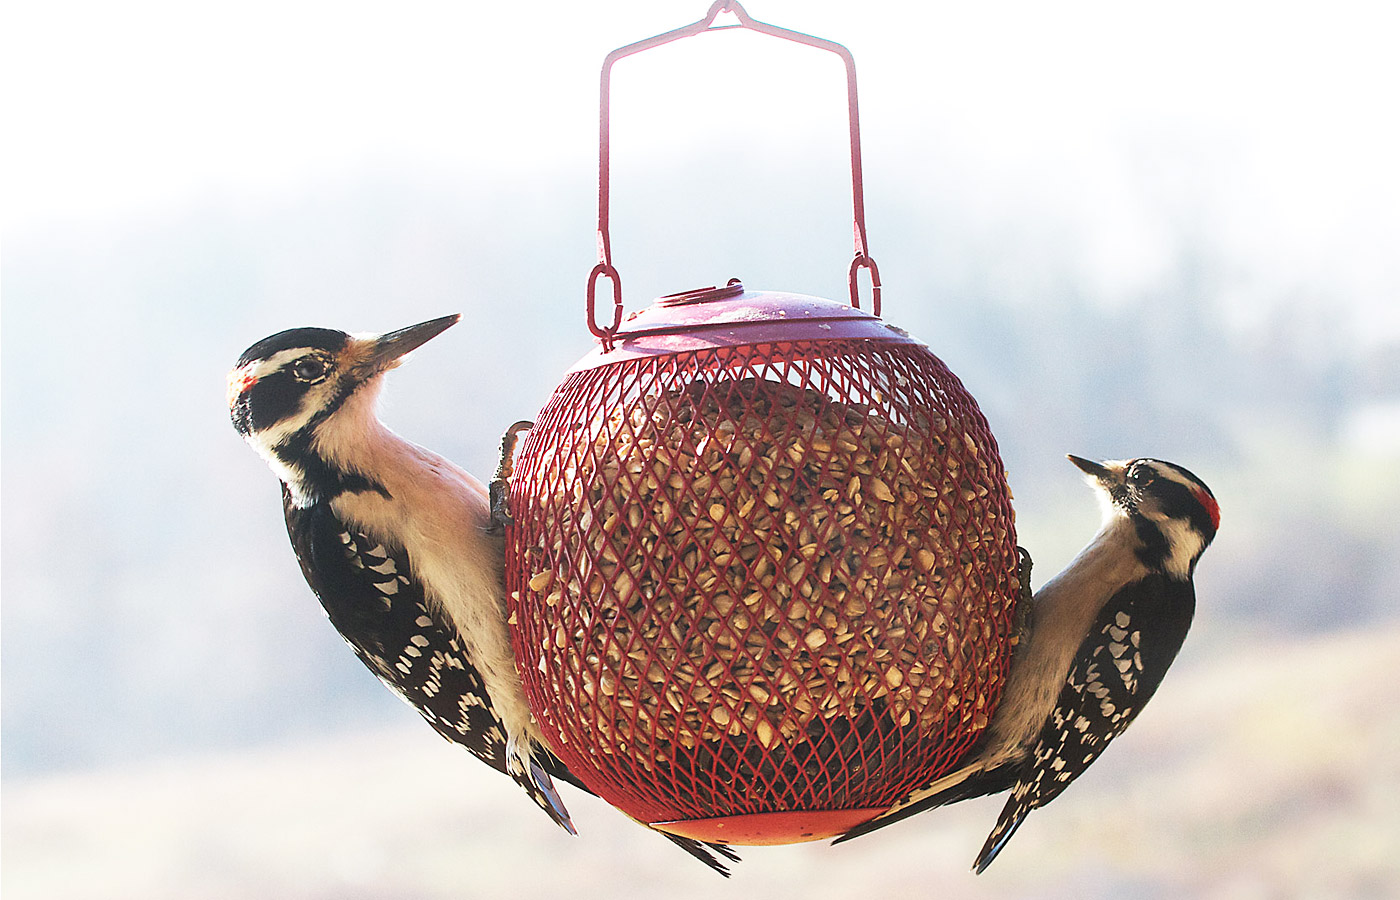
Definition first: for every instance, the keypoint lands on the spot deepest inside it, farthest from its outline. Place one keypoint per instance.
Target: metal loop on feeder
(604, 270)
(604, 233)
(865, 262)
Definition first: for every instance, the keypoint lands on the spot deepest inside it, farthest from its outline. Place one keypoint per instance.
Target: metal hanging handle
(605, 269)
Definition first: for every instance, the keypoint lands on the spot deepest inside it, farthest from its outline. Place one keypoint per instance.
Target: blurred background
(1166, 231)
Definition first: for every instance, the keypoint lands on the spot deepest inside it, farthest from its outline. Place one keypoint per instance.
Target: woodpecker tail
(976, 779)
(548, 798)
(705, 851)
(522, 767)
(1012, 815)
(712, 855)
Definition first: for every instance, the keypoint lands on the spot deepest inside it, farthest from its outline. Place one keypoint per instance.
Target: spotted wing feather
(374, 603)
(372, 599)
(1117, 670)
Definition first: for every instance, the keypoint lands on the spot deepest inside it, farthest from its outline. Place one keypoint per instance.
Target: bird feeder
(762, 568)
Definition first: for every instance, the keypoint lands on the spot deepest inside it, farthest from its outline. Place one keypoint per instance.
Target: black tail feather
(1011, 818)
(701, 850)
(705, 851)
(992, 782)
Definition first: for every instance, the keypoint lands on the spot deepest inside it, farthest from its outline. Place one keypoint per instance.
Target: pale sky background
(1278, 120)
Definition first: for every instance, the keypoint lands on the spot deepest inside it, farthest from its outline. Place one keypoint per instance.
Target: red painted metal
(762, 573)
(771, 828)
(729, 316)
(674, 667)
(605, 267)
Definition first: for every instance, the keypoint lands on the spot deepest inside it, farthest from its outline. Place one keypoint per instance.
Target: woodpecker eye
(309, 368)
(1142, 476)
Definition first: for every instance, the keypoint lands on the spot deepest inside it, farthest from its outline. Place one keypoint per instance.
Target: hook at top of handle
(862, 259)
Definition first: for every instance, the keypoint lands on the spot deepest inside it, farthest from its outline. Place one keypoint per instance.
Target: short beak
(1103, 474)
(392, 345)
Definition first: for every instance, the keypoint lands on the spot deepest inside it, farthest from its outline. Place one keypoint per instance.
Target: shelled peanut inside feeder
(763, 567)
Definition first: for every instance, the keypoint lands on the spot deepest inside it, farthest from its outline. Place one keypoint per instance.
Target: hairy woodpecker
(1102, 634)
(395, 542)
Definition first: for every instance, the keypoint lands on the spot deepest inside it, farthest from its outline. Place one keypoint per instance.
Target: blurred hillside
(1239, 781)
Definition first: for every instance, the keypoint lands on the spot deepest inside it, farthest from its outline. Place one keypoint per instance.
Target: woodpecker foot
(1023, 573)
(1021, 618)
(498, 492)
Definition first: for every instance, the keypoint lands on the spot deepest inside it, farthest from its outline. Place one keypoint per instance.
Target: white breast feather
(438, 510)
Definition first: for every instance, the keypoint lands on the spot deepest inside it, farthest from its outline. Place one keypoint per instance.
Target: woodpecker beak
(384, 351)
(1100, 473)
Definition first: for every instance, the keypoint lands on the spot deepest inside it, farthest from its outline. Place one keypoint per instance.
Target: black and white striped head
(286, 387)
(1173, 512)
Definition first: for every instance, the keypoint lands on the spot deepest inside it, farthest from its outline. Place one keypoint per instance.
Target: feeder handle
(605, 269)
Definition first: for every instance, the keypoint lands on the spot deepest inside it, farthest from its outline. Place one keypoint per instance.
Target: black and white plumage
(1101, 636)
(393, 540)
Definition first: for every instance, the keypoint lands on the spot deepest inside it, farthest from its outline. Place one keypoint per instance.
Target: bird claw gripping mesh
(498, 491)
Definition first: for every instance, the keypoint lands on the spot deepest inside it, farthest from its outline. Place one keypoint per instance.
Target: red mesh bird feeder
(762, 570)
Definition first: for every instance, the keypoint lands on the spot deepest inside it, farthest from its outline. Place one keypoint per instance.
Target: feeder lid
(730, 316)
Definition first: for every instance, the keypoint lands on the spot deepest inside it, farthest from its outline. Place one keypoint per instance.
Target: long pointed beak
(1100, 472)
(392, 345)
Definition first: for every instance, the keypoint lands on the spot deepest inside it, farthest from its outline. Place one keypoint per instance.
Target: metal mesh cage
(762, 578)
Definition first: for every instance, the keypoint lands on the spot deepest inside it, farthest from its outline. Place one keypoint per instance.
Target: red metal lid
(729, 316)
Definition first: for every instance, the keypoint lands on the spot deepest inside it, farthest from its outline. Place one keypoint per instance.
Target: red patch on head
(1212, 508)
(239, 381)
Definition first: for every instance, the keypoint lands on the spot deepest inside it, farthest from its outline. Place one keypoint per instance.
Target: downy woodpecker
(393, 540)
(1102, 634)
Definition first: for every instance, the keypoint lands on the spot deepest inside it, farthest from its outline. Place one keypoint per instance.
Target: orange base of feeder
(760, 829)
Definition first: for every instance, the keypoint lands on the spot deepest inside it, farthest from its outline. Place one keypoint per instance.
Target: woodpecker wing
(369, 594)
(372, 599)
(1118, 668)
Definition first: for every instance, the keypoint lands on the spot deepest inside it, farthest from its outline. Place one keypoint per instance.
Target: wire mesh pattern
(763, 578)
